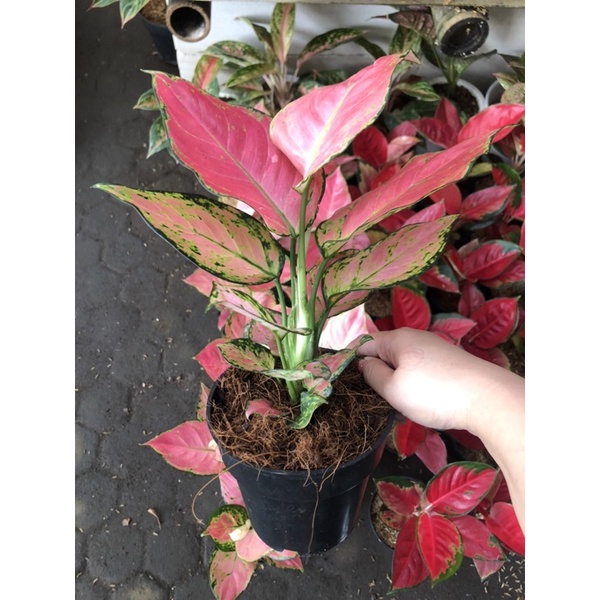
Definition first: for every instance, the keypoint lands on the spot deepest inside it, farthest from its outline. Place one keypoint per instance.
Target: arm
(442, 386)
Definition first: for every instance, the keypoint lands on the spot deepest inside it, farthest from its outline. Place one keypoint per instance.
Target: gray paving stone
(115, 552)
(103, 406)
(86, 444)
(88, 589)
(96, 498)
(141, 587)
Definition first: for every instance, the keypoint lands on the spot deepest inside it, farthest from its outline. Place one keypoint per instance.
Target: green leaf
(327, 41)
(130, 8)
(262, 33)
(238, 53)
(247, 355)
(223, 521)
(206, 74)
(250, 74)
(282, 29)
(219, 238)
(373, 49)
(422, 90)
(147, 101)
(102, 3)
(158, 139)
(309, 402)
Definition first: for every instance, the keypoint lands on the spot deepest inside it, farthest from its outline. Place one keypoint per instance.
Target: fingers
(378, 375)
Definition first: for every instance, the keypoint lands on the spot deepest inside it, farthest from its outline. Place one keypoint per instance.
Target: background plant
(128, 9)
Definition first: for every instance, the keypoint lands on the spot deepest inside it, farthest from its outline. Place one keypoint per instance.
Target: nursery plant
(282, 249)
(266, 80)
(128, 9)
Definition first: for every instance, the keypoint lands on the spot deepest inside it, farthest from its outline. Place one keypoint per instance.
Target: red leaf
(471, 299)
(451, 196)
(393, 519)
(490, 259)
(478, 541)
(221, 524)
(466, 438)
(409, 568)
(407, 436)
(430, 213)
(211, 359)
(513, 274)
(494, 117)
(386, 173)
(441, 277)
(436, 131)
(496, 320)
(459, 488)
(371, 145)
(502, 522)
(432, 451)
(189, 447)
(447, 112)
(410, 309)
(485, 204)
(400, 495)
(454, 326)
(396, 221)
(440, 545)
(385, 323)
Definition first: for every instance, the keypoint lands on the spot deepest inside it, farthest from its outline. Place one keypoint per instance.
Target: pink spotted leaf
(440, 544)
(229, 575)
(222, 523)
(400, 494)
(230, 490)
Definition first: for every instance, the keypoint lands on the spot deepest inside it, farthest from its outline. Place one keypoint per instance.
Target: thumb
(377, 374)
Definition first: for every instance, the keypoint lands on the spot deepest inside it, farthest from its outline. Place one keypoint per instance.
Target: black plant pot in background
(305, 511)
(162, 39)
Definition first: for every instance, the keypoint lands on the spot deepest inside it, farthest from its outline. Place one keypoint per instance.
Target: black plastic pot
(305, 511)
(162, 39)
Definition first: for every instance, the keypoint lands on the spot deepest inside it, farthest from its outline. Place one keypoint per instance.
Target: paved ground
(138, 327)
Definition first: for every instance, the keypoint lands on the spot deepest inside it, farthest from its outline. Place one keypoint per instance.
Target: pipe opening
(188, 21)
(460, 31)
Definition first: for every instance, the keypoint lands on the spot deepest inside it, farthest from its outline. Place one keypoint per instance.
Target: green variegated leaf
(289, 374)
(262, 33)
(282, 29)
(248, 355)
(157, 139)
(337, 362)
(327, 41)
(250, 74)
(147, 101)
(309, 402)
(221, 239)
(400, 256)
(373, 49)
(206, 74)
(241, 302)
(130, 8)
(422, 90)
(102, 3)
(405, 39)
(238, 53)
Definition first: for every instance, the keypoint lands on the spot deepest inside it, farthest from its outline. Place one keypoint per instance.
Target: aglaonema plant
(462, 512)
(278, 249)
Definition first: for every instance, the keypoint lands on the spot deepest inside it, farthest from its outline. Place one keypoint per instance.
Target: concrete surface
(138, 327)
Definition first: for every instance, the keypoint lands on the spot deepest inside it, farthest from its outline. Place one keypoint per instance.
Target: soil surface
(155, 11)
(340, 430)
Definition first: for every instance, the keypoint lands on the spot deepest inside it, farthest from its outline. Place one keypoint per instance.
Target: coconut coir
(340, 430)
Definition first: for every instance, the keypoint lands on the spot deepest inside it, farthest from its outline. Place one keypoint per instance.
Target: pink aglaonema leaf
(486, 203)
(429, 213)
(441, 277)
(320, 125)
(248, 355)
(392, 519)
(448, 113)
(459, 487)
(206, 71)
(335, 196)
(294, 562)
(408, 435)
(372, 146)
(340, 330)
(478, 541)
(202, 280)
(432, 451)
(189, 447)
(421, 176)
(229, 148)
(410, 308)
(400, 494)
(490, 259)
(229, 575)
(485, 568)
(282, 29)
(400, 256)
(235, 246)
(496, 320)
(261, 407)
(496, 117)
(222, 523)
(202, 402)
(211, 359)
(230, 490)
(409, 568)
(453, 325)
(440, 544)
(502, 522)
(251, 547)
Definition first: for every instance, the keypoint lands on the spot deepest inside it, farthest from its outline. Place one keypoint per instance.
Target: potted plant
(153, 15)
(282, 248)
